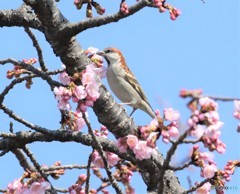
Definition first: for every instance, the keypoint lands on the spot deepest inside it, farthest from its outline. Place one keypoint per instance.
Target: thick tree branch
(10, 141)
(22, 17)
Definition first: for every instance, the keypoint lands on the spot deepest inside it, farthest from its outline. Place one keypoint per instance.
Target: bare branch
(38, 48)
(37, 166)
(32, 69)
(185, 165)
(75, 28)
(64, 167)
(88, 172)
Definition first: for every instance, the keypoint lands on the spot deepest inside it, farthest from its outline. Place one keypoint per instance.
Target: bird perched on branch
(123, 83)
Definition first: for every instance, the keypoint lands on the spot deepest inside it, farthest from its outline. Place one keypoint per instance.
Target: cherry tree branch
(73, 29)
(32, 69)
(23, 16)
(37, 167)
(64, 167)
(38, 48)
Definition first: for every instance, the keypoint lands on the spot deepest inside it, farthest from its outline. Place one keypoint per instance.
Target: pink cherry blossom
(63, 95)
(142, 151)
(93, 91)
(173, 131)
(80, 92)
(174, 13)
(220, 147)
(152, 138)
(171, 115)
(209, 170)
(208, 102)
(16, 185)
(38, 187)
(64, 78)
(236, 113)
(112, 159)
(98, 162)
(121, 144)
(205, 189)
(132, 141)
(91, 51)
(88, 77)
(80, 121)
(198, 132)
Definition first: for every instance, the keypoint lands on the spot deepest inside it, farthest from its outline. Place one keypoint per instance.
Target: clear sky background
(201, 49)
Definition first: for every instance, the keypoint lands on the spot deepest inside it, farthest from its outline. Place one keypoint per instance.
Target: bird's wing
(134, 83)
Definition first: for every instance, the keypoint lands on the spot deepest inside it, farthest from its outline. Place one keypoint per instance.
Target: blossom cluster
(124, 8)
(205, 125)
(229, 169)
(90, 5)
(112, 159)
(162, 6)
(84, 95)
(140, 148)
(18, 186)
(18, 71)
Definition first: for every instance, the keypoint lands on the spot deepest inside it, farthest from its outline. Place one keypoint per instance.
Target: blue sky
(201, 49)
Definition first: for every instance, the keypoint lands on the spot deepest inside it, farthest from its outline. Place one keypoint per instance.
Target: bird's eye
(107, 51)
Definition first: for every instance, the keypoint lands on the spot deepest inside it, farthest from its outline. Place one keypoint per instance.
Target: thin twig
(185, 165)
(61, 190)
(64, 167)
(197, 186)
(11, 114)
(34, 70)
(37, 166)
(88, 172)
(12, 84)
(38, 48)
(102, 154)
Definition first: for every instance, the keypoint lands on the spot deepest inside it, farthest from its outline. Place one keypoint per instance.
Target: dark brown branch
(88, 172)
(38, 48)
(64, 167)
(23, 16)
(75, 28)
(23, 138)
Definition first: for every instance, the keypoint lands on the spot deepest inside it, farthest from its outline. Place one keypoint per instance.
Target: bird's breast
(120, 87)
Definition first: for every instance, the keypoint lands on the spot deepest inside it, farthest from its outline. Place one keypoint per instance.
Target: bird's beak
(101, 53)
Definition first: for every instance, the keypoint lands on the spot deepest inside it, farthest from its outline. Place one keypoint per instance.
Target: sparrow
(123, 83)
